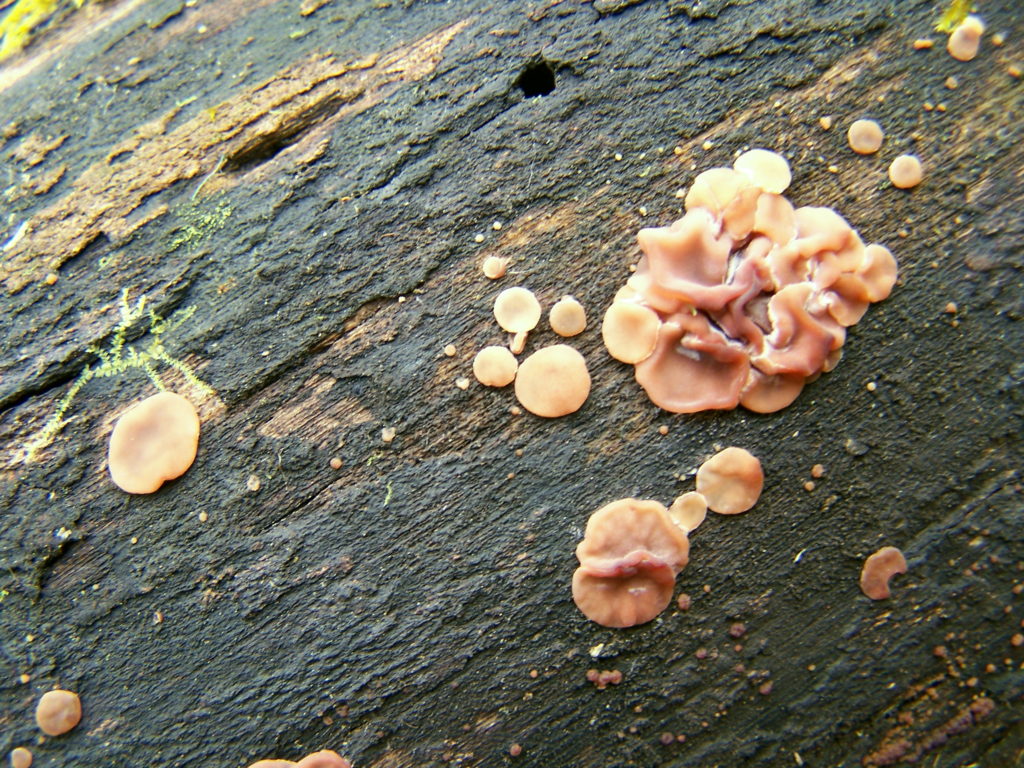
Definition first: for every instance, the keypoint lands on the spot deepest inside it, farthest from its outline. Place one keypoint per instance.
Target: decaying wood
(303, 193)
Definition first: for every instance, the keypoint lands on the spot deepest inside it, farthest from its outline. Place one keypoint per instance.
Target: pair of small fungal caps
(553, 381)
(152, 442)
(865, 138)
(745, 298)
(633, 549)
(325, 758)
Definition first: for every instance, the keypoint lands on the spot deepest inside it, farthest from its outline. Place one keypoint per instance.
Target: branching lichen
(115, 359)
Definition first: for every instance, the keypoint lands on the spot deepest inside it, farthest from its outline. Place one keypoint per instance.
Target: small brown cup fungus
(517, 310)
(495, 366)
(567, 317)
(731, 481)
(553, 381)
(58, 711)
(878, 569)
(152, 442)
(965, 40)
(905, 172)
(629, 558)
(865, 136)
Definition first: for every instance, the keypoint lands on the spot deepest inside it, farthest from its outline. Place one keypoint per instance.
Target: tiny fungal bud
(462, 382)
(449, 350)
(825, 123)
(335, 462)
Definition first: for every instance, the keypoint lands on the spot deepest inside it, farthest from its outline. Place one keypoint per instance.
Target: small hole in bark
(537, 79)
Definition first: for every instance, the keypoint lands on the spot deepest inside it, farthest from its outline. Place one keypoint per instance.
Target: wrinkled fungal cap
(553, 381)
(21, 757)
(637, 594)
(567, 317)
(58, 712)
(731, 481)
(715, 189)
(152, 442)
(965, 39)
(630, 331)
(517, 310)
(905, 172)
(619, 529)
(688, 511)
(768, 393)
(865, 136)
(495, 366)
(765, 169)
(878, 569)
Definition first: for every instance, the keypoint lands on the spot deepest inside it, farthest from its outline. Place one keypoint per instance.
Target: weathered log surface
(313, 185)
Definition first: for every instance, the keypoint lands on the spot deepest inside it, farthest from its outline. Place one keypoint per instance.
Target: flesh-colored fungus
(865, 136)
(494, 267)
(630, 331)
(905, 172)
(878, 569)
(730, 481)
(553, 381)
(517, 310)
(518, 343)
(629, 557)
(495, 366)
(765, 169)
(152, 442)
(965, 40)
(567, 317)
(58, 711)
(744, 299)
(688, 511)
(20, 757)
(325, 758)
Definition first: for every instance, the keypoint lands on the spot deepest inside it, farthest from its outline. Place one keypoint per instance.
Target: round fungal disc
(152, 442)
(58, 712)
(517, 310)
(905, 172)
(865, 136)
(553, 381)
(630, 331)
(567, 317)
(495, 366)
(731, 481)
(766, 169)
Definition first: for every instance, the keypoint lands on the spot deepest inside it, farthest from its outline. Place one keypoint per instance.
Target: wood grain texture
(311, 179)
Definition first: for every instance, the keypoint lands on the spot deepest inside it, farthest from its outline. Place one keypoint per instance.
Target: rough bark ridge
(273, 207)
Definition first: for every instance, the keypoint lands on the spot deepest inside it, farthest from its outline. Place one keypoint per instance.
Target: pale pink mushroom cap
(905, 172)
(765, 169)
(619, 529)
(731, 481)
(865, 136)
(688, 511)
(325, 758)
(637, 594)
(878, 569)
(58, 711)
(153, 441)
(274, 764)
(21, 757)
(630, 331)
(567, 317)
(517, 310)
(495, 366)
(553, 381)
(965, 40)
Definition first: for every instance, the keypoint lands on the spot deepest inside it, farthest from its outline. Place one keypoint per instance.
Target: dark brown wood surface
(296, 190)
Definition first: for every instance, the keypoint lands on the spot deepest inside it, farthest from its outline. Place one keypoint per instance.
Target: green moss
(24, 16)
(115, 359)
(200, 221)
(954, 14)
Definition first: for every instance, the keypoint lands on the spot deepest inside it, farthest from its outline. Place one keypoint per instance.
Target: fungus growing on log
(325, 758)
(152, 442)
(495, 366)
(965, 40)
(744, 299)
(629, 557)
(905, 172)
(20, 757)
(517, 310)
(58, 712)
(878, 569)
(865, 136)
(567, 317)
(553, 381)
(689, 511)
(730, 481)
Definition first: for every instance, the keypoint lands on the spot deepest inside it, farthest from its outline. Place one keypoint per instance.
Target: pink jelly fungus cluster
(745, 298)
(629, 557)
